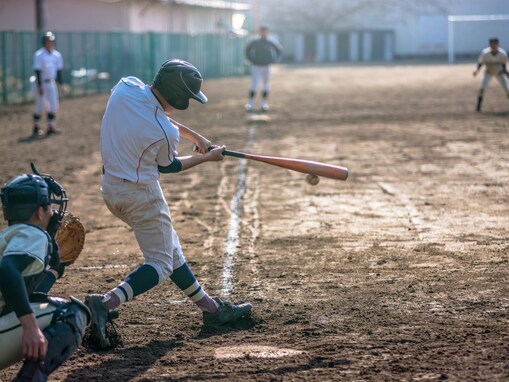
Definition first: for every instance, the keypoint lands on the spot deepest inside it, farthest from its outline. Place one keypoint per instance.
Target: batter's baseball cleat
(227, 313)
(100, 316)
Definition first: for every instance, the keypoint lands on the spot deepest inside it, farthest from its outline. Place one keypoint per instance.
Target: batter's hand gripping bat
(304, 166)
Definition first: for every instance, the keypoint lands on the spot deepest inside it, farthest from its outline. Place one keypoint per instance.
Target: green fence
(95, 61)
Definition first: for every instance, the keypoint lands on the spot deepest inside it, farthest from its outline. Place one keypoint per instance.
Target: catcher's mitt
(70, 238)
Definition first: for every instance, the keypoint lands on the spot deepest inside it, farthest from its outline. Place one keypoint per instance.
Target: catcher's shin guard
(64, 336)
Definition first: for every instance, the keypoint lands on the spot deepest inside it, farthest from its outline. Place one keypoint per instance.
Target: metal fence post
(4, 68)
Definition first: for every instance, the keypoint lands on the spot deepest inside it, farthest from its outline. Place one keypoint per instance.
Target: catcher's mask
(178, 81)
(23, 194)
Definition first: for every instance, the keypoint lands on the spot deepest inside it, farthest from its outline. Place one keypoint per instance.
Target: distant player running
(48, 65)
(495, 60)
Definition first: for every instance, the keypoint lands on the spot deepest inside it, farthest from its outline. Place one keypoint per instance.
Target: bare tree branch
(328, 14)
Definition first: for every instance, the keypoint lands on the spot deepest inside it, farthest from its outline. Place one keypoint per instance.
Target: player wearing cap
(494, 59)
(138, 142)
(48, 65)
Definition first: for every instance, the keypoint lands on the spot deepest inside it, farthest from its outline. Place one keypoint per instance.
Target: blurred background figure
(48, 65)
(261, 52)
(495, 60)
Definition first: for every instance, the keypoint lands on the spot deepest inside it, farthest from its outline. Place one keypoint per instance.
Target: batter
(138, 143)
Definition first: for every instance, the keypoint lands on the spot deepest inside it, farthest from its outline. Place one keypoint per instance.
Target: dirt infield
(398, 274)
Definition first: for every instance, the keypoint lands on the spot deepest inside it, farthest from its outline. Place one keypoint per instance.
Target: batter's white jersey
(136, 136)
(493, 62)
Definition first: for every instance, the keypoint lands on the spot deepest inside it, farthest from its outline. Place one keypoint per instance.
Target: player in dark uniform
(43, 330)
(261, 53)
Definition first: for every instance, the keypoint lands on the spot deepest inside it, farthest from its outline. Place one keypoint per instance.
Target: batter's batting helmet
(48, 36)
(178, 81)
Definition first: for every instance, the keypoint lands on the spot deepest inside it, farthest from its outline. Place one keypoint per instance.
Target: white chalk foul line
(233, 238)
(413, 214)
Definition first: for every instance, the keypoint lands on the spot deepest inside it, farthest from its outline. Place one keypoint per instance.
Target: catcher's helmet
(23, 194)
(178, 81)
(48, 36)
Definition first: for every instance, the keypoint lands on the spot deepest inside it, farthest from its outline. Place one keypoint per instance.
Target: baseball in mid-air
(312, 179)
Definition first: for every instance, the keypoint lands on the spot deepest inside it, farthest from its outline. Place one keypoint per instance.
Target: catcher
(42, 330)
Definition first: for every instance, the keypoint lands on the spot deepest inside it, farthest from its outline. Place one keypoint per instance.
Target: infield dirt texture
(398, 274)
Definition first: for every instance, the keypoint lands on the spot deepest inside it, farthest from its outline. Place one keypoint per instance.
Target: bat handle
(225, 152)
(234, 154)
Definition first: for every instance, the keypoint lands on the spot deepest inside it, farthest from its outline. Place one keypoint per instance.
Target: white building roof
(217, 4)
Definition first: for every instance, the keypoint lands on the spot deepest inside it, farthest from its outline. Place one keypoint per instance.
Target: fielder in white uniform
(494, 59)
(48, 65)
(138, 142)
(43, 330)
(261, 52)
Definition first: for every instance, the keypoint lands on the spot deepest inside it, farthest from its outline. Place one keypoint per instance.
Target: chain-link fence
(95, 61)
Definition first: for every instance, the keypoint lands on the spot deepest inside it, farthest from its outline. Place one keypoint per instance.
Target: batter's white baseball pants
(144, 208)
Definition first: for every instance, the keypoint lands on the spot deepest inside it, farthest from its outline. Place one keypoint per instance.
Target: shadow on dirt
(496, 113)
(124, 364)
(243, 323)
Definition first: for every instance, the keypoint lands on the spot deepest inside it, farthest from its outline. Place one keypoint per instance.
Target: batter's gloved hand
(70, 238)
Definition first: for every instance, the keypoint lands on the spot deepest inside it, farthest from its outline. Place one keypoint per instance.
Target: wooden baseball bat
(300, 165)
(304, 166)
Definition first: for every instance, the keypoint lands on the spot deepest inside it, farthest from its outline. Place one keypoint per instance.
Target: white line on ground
(103, 267)
(233, 238)
(413, 213)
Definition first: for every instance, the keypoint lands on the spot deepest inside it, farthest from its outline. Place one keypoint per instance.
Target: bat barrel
(304, 166)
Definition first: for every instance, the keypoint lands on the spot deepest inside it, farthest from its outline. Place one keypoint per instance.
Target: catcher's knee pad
(64, 336)
(62, 342)
(73, 312)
